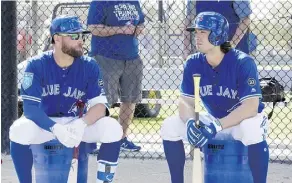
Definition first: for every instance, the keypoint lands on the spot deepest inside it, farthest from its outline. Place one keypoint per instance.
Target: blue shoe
(129, 146)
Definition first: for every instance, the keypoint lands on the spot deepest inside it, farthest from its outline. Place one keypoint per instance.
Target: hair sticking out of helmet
(216, 23)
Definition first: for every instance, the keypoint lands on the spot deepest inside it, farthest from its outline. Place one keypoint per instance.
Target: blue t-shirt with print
(115, 13)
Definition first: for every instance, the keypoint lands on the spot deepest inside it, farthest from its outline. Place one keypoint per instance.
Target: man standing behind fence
(115, 26)
(237, 13)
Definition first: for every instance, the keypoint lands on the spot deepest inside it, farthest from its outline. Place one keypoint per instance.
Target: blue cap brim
(84, 31)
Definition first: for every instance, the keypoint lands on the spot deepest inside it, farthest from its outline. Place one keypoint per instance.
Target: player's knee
(112, 131)
(23, 131)
(252, 130)
(172, 129)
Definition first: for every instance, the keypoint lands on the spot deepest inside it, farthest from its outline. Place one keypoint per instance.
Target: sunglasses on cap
(74, 36)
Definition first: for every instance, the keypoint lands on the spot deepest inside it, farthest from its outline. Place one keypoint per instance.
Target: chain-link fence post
(9, 71)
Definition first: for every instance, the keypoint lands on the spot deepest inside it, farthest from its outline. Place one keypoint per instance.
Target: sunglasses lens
(74, 36)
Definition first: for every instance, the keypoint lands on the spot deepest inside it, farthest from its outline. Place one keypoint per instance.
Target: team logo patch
(27, 80)
(251, 82)
(100, 82)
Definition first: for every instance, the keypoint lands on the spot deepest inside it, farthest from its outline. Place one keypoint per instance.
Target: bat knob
(198, 126)
(80, 104)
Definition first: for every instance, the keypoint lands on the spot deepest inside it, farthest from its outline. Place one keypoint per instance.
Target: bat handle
(76, 152)
(80, 107)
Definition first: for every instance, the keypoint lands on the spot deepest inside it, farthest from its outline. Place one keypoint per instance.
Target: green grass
(280, 124)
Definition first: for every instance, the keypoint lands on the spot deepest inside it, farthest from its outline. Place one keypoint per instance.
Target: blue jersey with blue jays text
(233, 11)
(224, 87)
(54, 90)
(115, 13)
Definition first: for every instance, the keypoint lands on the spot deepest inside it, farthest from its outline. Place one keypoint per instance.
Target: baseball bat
(73, 174)
(197, 171)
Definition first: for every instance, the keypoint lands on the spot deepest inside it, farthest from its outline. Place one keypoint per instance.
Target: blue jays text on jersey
(224, 87)
(55, 90)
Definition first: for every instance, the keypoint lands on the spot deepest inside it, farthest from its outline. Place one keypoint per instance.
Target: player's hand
(77, 127)
(65, 135)
(195, 135)
(208, 127)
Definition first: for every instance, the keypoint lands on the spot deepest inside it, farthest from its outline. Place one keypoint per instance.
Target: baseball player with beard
(231, 94)
(53, 84)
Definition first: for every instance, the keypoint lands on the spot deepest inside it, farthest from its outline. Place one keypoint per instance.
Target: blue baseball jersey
(115, 13)
(48, 90)
(223, 88)
(233, 11)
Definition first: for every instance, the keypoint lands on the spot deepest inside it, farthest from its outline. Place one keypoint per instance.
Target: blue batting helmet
(67, 24)
(214, 22)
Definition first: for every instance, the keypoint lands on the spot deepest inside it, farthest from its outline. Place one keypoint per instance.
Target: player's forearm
(105, 31)
(37, 115)
(139, 30)
(248, 109)
(240, 31)
(186, 108)
(95, 113)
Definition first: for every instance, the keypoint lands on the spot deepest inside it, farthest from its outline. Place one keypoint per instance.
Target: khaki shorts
(122, 79)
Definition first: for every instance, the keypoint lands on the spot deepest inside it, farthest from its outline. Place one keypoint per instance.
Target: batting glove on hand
(198, 135)
(194, 134)
(77, 127)
(65, 135)
(209, 126)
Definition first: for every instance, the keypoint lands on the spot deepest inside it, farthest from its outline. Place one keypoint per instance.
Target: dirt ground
(147, 171)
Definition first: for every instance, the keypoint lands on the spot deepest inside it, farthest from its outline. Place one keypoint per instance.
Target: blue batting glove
(194, 134)
(209, 125)
(207, 129)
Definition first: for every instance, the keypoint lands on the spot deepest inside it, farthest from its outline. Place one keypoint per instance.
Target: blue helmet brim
(192, 28)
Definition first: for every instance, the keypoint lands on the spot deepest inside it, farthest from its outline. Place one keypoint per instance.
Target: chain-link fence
(162, 50)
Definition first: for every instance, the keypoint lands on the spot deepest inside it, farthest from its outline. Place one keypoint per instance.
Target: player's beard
(73, 52)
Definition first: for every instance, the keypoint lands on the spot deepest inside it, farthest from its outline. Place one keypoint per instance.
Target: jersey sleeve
(142, 16)
(242, 8)
(248, 81)
(31, 92)
(96, 13)
(31, 84)
(95, 91)
(187, 84)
